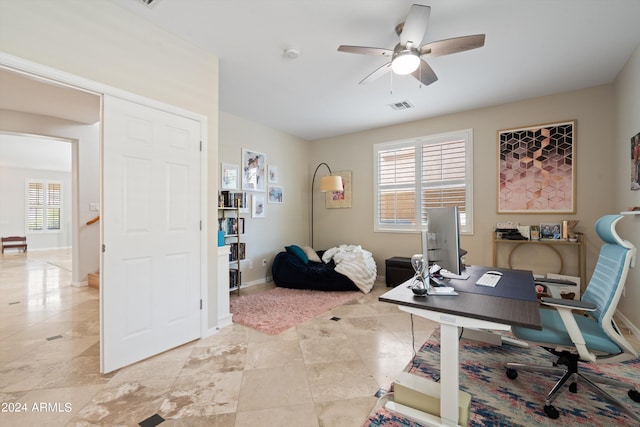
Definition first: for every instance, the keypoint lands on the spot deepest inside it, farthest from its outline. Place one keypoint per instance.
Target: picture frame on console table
(537, 170)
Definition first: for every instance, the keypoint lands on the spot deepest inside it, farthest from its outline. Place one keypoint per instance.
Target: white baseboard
(256, 282)
(632, 328)
(80, 284)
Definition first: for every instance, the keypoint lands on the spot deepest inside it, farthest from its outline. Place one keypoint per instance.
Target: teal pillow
(297, 251)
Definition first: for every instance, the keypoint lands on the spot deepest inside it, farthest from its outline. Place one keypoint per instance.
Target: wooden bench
(14, 242)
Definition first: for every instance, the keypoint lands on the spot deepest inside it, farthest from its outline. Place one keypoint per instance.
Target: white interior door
(150, 272)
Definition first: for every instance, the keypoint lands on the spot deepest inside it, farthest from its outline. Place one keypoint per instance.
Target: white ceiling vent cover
(149, 3)
(402, 105)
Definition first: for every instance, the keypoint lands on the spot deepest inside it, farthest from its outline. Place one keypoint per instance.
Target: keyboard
(489, 279)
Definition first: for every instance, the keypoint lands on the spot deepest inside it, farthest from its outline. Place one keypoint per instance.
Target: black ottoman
(397, 270)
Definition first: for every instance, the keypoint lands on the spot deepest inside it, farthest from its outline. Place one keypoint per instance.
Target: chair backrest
(609, 277)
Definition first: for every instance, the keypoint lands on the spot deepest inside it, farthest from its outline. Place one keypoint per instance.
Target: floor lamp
(327, 183)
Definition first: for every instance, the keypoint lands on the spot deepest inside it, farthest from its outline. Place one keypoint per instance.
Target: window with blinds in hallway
(426, 172)
(44, 206)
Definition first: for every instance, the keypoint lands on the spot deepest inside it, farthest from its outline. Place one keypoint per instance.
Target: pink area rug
(279, 309)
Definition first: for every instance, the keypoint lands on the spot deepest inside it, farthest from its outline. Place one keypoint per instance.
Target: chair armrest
(565, 309)
(568, 303)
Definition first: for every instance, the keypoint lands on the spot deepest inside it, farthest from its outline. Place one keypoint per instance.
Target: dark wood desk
(474, 307)
(492, 305)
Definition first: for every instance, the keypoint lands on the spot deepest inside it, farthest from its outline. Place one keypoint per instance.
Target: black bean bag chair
(289, 271)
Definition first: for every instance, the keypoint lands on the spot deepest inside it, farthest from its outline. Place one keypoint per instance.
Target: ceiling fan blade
(454, 45)
(363, 50)
(425, 73)
(415, 26)
(377, 73)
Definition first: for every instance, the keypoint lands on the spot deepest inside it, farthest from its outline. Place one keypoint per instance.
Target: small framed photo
(230, 177)
(275, 194)
(551, 231)
(534, 232)
(274, 174)
(257, 206)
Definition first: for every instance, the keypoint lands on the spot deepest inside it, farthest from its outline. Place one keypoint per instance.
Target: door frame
(53, 75)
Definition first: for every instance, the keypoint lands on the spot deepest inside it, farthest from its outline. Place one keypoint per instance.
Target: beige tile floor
(321, 373)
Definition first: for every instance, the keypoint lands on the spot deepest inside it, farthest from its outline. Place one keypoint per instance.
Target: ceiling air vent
(149, 3)
(403, 105)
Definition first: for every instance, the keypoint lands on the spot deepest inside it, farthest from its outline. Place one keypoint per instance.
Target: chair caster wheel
(512, 374)
(551, 412)
(573, 387)
(634, 395)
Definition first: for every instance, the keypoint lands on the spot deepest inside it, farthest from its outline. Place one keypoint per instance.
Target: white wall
(627, 92)
(285, 223)
(599, 151)
(13, 212)
(591, 108)
(102, 42)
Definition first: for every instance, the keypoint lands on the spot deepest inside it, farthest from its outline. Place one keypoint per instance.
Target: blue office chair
(575, 337)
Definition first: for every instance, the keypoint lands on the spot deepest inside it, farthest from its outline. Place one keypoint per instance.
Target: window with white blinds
(413, 175)
(44, 206)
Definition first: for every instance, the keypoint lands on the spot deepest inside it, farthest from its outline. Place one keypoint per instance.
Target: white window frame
(417, 143)
(45, 206)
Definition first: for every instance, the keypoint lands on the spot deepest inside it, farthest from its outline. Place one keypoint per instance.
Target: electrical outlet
(264, 262)
(250, 263)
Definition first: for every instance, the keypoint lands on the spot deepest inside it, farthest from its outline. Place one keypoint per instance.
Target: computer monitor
(442, 242)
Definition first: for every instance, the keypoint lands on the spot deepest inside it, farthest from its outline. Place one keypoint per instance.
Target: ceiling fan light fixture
(405, 62)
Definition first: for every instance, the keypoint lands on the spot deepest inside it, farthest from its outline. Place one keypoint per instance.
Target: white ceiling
(533, 48)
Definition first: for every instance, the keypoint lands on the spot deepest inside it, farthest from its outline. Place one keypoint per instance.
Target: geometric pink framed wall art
(537, 169)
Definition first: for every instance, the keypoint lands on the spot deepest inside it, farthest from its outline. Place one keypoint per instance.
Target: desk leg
(449, 376)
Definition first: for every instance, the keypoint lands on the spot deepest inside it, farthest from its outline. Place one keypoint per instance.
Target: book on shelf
(232, 199)
(236, 253)
(231, 225)
(234, 278)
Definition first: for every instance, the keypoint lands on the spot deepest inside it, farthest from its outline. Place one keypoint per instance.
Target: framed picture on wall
(254, 170)
(257, 206)
(635, 162)
(340, 199)
(536, 172)
(274, 174)
(229, 178)
(275, 194)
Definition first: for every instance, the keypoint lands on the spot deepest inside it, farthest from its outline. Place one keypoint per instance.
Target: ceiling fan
(406, 56)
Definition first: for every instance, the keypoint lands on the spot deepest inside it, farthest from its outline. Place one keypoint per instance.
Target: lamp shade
(331, 183)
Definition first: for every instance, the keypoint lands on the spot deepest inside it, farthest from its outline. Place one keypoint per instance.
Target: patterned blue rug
(498, 401)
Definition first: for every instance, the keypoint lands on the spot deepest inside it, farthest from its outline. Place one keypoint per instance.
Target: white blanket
(355, 263)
